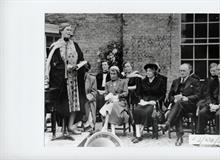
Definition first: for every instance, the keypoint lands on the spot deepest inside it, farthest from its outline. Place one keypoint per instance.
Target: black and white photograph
(132, 80)
(110, 79)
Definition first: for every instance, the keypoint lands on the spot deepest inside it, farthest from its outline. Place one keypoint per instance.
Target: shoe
(137, 139)
(179, 141)
(75, 131)
(165, 127)
(133, 139)
(88, 129)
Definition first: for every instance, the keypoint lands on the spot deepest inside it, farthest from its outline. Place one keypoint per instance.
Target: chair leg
(124, 129)
(53, 122)
(169, 132)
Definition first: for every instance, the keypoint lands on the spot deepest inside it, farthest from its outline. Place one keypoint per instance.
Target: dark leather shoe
(137, 139)
(165, 127)
(179, 141)
(75, 131)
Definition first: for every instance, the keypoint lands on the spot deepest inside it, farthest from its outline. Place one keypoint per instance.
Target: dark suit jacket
(214, 91)
(99, 78)
(191, 89)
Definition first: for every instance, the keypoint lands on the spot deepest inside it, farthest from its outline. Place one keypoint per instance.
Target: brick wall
(91, 31)
(152, 38)
(145, 37)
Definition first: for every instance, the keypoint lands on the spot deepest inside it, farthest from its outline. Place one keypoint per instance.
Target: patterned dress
(70, 84)
(70, 56)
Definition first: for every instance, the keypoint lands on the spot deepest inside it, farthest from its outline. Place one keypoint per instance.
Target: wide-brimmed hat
(151, 66)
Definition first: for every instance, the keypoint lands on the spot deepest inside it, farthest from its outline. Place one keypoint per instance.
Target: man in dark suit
(212, 109)
(183, 95)
(101, 79)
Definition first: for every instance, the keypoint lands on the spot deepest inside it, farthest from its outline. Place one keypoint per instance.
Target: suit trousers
(178, 110)
(204, 116)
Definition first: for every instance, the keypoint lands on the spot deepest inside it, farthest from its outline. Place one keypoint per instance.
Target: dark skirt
(143, 115)
(62, 105)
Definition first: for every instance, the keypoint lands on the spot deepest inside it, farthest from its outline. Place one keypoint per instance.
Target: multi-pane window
(200, 41)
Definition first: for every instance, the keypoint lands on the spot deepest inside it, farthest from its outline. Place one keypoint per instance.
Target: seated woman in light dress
(115, 108)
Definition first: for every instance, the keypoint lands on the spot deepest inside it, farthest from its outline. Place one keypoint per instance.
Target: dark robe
(57, 80)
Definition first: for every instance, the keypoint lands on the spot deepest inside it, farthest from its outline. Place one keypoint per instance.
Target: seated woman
(152, 90)
(115, 108)
(134, 83)
(134, 88)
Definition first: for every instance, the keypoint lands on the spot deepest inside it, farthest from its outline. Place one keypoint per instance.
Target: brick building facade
(144, 37)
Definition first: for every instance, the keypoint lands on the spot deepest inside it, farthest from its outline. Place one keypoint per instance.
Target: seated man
(101, 79)
(204, 91)
(183, 95)
(211, 109)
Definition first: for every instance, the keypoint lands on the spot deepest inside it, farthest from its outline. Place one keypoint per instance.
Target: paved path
(147, 141)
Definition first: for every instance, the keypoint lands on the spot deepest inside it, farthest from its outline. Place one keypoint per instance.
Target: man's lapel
(187, 82)
(177, 84)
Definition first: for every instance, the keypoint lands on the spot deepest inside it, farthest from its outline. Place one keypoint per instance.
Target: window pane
(186, 52)
(49, 40)
(214, 30)
(200, 51)
(56, 38)
(214, 51)
(187, 30)
(201, 69)
(214, 17)
(201, 40)
(47, 51)
(213, 40)
(187, 17)
(201, 17)
(187, 40)
(201, 30)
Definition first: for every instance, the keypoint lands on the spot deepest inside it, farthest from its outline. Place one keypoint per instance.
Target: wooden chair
(155, 127)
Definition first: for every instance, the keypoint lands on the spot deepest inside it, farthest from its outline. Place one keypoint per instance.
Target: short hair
(105, 60)
(126, 63)
(62, 26)
(212, 65)
(115, 68)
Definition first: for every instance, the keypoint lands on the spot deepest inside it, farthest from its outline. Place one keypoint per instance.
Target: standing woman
(152, 90)
(64, 72)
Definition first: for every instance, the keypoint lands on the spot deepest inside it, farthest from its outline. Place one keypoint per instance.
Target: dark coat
(57, 78)
(99, 78)
(154, 90)
(190, 90)
(135, 95)
(214, 91)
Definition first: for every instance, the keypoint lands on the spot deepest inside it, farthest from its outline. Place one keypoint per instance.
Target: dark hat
(151, 66)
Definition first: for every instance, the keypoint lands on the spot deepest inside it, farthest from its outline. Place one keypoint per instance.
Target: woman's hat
(151, 66)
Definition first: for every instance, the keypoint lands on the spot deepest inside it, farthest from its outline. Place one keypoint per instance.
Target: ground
(147, 141)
